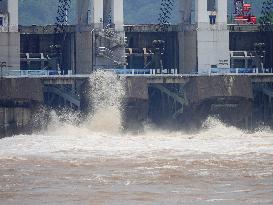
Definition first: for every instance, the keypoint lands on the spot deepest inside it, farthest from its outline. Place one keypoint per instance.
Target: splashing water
(105, 110)
(107, 94)
(94, 163)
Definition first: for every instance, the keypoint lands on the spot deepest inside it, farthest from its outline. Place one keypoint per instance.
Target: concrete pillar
(13, 15)
(118, 14)
(201, 13)
(97, 10)
(9, 36)
(107, 12)
(185, 11)
(212, 40)
(83, 7)
(222, 10)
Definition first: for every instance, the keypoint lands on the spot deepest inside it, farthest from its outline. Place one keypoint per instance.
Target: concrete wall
(84, 48)
(21, 90)
(188, 59)
(212, 49)
(202, 94)
(10, 49)
(201, 88)
(18, 101)
(14, 120)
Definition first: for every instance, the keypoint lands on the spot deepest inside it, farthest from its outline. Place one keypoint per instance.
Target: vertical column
(201, 13)
(107, 12)
(221, 11)
(82, 12)
(13, 15)
(212, 40)
(185, 11)
(97, 8)
(117, 14)
(181, 12)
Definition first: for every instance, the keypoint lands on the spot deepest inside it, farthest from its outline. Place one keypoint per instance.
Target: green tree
(266, 18)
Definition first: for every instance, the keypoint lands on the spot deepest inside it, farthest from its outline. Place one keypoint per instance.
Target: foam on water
(79, 142)
(94, 162)
(107, 93)
(100, 134)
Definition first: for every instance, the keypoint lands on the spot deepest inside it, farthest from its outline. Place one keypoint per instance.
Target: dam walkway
(4, 72)
(168, 76)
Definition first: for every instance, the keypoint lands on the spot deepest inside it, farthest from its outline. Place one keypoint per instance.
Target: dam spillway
(165, 97)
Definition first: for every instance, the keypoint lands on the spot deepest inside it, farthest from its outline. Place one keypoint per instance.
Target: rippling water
(69, 164)
(218, 165)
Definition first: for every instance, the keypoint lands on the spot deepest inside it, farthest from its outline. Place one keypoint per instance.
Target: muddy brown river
(93, 163)
(218, 165)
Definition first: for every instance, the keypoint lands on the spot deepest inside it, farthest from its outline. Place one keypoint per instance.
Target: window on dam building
(211, 5)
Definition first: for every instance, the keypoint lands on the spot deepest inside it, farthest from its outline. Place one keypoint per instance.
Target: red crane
(243, 13)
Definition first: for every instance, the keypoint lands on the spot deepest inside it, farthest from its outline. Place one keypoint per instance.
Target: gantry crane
(242, 13)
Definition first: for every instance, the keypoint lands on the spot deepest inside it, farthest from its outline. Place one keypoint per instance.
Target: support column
(117, 14)
(107, 13)
(222, 8)
(212, 39)
(13, 15)
(185, 11)
(83, 12)
(97, 9)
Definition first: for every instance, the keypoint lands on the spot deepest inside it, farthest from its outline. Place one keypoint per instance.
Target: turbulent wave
(71, 142)
(106, 96)
(73, 161)
(101, 133)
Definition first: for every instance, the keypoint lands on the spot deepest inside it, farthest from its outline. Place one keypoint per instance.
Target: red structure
(243, 13)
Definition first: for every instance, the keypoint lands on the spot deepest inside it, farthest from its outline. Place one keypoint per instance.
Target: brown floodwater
(218, 165)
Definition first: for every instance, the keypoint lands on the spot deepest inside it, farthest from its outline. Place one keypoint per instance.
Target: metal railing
(27, 73)
(141, 71)
(240, 70)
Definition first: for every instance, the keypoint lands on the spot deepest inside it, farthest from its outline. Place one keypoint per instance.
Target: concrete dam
(176, 75)
(176, 102)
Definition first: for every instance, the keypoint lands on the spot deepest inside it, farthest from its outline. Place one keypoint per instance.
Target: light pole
(93, 50)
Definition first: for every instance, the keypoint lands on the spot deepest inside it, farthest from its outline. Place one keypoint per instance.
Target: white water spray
(107, 94)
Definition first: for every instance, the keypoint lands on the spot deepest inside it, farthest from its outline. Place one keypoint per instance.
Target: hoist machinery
(243, 13)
